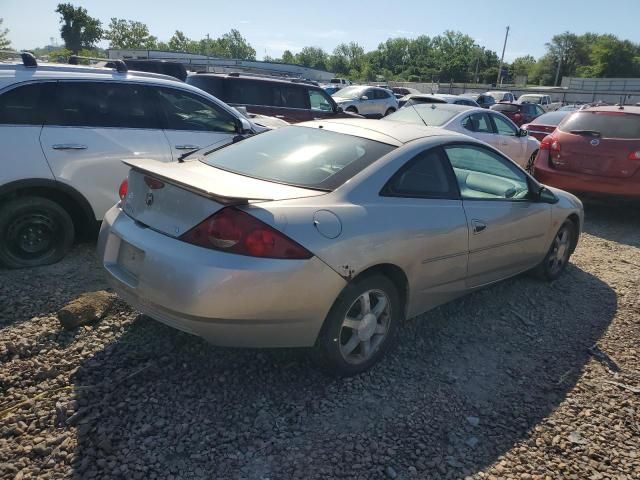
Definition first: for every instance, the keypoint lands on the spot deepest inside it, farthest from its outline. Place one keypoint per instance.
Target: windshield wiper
(593, 133)
(186, 154)
(236, 139)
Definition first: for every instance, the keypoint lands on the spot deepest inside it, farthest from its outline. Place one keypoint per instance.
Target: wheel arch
(394, 273)
(575, 219)
(78, 207)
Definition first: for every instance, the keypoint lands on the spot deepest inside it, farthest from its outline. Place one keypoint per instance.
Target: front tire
(389, 111)
(360, 327)
(557, 257)
(352, 110)
(34, 231)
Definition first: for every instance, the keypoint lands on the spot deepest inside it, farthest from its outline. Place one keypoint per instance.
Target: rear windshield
(551, 118)
(505, 107)
(530, 99)
(424, 114)
(300, 156)
(604, 124)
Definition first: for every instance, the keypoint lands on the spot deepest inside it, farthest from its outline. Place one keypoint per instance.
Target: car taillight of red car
(235, 231)
(553, 146)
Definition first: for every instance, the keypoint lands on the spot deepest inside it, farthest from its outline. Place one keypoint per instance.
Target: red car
(595, 152)
(545, 124)
(519, 113)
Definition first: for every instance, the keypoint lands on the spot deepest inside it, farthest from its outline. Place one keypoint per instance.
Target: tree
(78, 29)
(611, 57)
(129, 34)
(180, 43)
(288, 57)
(235, 45)
(522, 66)
(4, 41)
(313, 57)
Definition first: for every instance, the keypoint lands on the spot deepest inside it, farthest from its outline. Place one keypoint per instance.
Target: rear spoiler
(222, 199)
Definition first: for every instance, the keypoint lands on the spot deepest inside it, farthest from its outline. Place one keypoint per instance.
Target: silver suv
(374, 102)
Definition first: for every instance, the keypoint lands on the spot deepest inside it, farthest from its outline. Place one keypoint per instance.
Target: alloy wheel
(365, 326)
(561, 249)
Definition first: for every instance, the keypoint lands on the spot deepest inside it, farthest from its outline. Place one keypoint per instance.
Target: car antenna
(418, 113)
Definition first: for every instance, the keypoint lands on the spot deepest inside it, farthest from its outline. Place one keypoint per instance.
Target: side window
(185, 111)
(20, 105)
(381, 95)
(106, 104)
(484, 175)
(504, 126)
(249, 92)
(370, 94)
(427, 175)
(478, 122)
(539, 110)
(290, 97)
(318, 101)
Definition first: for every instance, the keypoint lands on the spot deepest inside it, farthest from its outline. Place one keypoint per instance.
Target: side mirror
(546, 196)
(364, 97)
(244, 126)
(523, 133)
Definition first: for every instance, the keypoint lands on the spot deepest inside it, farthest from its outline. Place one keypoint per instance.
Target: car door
(368, 107)
(291, 103)
(509, 140)
(425, 191)
(22, 114)
(478, 125)
(507, 230)
(192, 121)
(92, 127)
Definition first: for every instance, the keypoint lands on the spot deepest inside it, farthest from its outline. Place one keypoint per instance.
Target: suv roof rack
(273, 76)
(120, 66)
(28, 60)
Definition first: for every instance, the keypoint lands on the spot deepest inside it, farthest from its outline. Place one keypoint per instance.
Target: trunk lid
(172, 198)
(598, 143)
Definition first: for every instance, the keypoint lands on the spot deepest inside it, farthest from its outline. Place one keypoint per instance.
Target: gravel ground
(523, 380)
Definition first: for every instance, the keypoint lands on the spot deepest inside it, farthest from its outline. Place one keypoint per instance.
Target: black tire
(34, 231)
(389, 111)
(554, 264)
(532, 159)
(351, 110)
(334, 335)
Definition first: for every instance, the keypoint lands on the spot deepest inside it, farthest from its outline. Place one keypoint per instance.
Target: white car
(64, 132)
(501, 96)
(487, 125)
(543, 100)
(375, 102)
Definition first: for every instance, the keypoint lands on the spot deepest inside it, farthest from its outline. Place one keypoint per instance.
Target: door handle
(187, 147)
(478, 226)
(69, 146)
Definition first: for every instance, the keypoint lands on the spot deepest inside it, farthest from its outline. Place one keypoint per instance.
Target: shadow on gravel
(27, 292)
(615, 221)
(466, 383)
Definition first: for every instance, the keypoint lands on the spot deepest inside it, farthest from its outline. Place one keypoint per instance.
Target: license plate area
(130, 259)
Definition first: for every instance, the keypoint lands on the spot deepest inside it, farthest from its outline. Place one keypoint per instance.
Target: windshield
(603, 124)
(350, 92)
(497, 96)
(301, 156)
(551, 118)
(421, 114)
(505, 107)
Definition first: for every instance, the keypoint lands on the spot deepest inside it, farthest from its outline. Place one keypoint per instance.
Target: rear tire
(360, 327)
(34, 231)
(532, 159)
(557, 258)
(389, 111)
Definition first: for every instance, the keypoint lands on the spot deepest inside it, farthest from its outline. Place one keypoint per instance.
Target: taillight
(122, 191)
(234, 231)
(634, 155)
(553, 146)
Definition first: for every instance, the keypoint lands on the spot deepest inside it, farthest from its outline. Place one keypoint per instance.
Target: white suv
(64, 131)
(374, 102)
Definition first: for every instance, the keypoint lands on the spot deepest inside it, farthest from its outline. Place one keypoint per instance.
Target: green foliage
(522, 66)
(129, 34)
(4, 41)
(313, 57)
(78, 29)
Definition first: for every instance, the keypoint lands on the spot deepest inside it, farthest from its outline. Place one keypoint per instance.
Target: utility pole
(504, 47)
(555, 82)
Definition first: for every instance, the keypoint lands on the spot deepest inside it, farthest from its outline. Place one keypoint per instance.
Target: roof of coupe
(392, 133)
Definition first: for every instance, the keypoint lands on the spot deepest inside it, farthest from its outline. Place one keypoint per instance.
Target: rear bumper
(229, 300)
(586, 184)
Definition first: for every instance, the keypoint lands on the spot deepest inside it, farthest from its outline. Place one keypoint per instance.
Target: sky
(272, 27)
